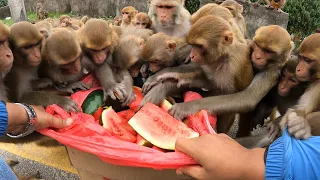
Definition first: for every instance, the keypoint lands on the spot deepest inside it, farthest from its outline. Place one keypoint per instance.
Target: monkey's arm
(240, 102)
(47, 98)
(128, 84)
(107, 80)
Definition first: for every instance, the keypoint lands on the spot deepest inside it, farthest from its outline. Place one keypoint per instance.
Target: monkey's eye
(2, 42)
(28, 47)
(160, 7)
(138, 23)
(144, 24)
(168, 7)
(293, 80)
(268, 51)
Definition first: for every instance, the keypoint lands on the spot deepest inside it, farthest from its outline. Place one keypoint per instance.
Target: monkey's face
(287, 82)
(141, 24)
(260, 57)
(6, 56)
(117, 22)
(98, 56)
(135, 69)
(32, 53)
(65, 22)
(197, 54)
(306, 69)
(232, 10)
(74, 67)
(126, 16)
(165, 14)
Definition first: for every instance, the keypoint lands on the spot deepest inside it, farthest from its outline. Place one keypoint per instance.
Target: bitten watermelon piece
(139, 97)
(160, 128)
(116, 126)
(200, 121)
(166, 105)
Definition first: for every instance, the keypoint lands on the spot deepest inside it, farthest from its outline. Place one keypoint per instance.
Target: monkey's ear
(240, 9)
(227, 38)
(171, 45)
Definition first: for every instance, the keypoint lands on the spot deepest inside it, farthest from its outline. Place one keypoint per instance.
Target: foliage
(303, 16)
(3, 3)
(192, 5)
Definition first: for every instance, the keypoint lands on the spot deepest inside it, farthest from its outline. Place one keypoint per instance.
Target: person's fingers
(196, 171)
(57, 122)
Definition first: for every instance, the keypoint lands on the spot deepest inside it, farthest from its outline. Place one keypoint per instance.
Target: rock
(4, 12)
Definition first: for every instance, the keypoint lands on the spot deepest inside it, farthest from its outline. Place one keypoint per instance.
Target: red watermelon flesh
(160, 128)
(98, 114)
(200, 121)
(116, 126)
(139, 97)
(126, 115)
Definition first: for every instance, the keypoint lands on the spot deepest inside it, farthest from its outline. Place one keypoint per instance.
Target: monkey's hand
(154, 96)
(182, 110)
(117, 91)
(149, 84)
(67, 104)
(42, 83)
(69, 88)
(144, 70)
(274, 130)
(298, 126)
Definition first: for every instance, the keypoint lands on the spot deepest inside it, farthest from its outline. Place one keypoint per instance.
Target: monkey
(307, 70)
(128, 13)
(221, 72)
(128, 54)
(223, 12)
(66, 21)
(40, 12)
(276, 4)
(236, 10)
(98, 41)
(77, 22)
(117, 21)
(282, 97)
(169, 17)
(52, 22)
(6, 59)
(84, 19)
(271, 48)
(62, 56)
(45, 28)
(26, 44)
(142, 21)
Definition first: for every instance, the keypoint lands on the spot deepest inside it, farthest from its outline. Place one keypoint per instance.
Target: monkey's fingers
(302, 134)
(183, 83)
(108, 93)
(176, 112)
(85, 85)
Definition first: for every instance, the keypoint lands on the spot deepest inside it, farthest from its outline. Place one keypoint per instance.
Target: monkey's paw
(182, 110)
(298, 126)
(117, 91)
(68, 105)
(274, 130)
(149, 84)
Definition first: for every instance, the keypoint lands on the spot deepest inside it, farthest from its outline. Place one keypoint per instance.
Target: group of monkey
(168, 51)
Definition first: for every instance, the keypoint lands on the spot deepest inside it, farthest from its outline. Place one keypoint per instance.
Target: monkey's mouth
(277, 1)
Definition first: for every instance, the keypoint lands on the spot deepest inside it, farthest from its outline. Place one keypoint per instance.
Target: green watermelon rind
(134, 123)
(93, 101)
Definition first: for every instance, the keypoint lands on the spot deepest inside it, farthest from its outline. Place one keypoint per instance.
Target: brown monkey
(169, 17)
(52, 22)
(62, 56)
(45, 28)
(66, 21)
(6, 59)
(26, 40)
(271, 48)
(223, 12)
(40, 12)
(127, 15)
(117, 21)
(142, 21)
(308, 70)
(77, 22)
(98, 41)
(236, 10)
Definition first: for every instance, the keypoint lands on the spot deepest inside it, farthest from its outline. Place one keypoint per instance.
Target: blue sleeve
(289, 158)
(3, 119)
(5, 171)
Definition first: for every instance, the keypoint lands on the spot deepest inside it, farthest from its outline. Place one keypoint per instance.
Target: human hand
(220, 157)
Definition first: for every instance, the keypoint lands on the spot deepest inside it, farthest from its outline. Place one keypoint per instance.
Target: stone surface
(257, 16)
(4, 12)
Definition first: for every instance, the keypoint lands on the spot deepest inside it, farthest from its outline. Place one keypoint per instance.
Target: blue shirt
(289, 158)
(3, 119)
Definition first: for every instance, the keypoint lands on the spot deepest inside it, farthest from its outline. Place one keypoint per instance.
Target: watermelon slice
(143, 142)
(116, 126)
(199, 121)
(160, 128)
(98, 114)
(126, 115)
(139, 97)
